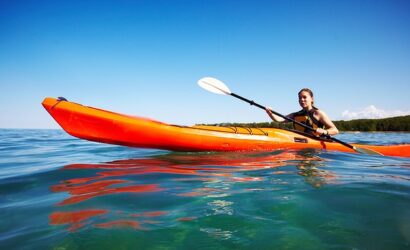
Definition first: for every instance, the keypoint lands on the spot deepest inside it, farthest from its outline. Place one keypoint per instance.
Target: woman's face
(305, 100)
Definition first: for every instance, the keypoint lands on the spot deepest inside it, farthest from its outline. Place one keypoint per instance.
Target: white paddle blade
(214, 85)
(366, 151)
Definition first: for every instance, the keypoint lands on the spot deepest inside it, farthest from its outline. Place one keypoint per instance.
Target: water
(59, 192)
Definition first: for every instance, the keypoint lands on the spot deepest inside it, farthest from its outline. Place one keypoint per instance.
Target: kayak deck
(108, 127)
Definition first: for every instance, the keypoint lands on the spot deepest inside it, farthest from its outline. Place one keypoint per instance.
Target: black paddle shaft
(274, 112)
(289, 119)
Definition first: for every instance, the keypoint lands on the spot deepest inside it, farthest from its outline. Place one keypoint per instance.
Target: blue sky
(144, 57)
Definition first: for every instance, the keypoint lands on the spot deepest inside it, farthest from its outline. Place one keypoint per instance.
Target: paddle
(218, 87)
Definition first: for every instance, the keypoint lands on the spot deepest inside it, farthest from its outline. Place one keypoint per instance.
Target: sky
(144, 58)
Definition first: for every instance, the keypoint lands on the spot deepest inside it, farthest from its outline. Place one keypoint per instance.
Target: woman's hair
(310, 93)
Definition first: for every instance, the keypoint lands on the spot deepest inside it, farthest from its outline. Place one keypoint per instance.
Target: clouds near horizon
(372, 112)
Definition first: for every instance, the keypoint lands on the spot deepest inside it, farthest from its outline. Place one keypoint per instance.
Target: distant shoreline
(391, 124)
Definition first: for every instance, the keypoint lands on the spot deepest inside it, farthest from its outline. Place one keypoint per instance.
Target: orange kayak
(108, 127)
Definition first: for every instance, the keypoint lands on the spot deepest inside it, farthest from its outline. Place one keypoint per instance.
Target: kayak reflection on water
(147, 183)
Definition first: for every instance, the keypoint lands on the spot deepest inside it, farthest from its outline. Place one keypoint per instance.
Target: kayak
(104, 126)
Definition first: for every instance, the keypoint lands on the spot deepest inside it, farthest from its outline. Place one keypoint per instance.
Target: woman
(309, 115)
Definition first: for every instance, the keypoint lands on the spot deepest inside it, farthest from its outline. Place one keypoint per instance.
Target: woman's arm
(274, 117)
(330, 128)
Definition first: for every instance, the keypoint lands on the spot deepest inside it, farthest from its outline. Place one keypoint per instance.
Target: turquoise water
(59, 192)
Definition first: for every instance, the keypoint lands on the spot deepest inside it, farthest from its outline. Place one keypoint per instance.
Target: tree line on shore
(399, 123)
